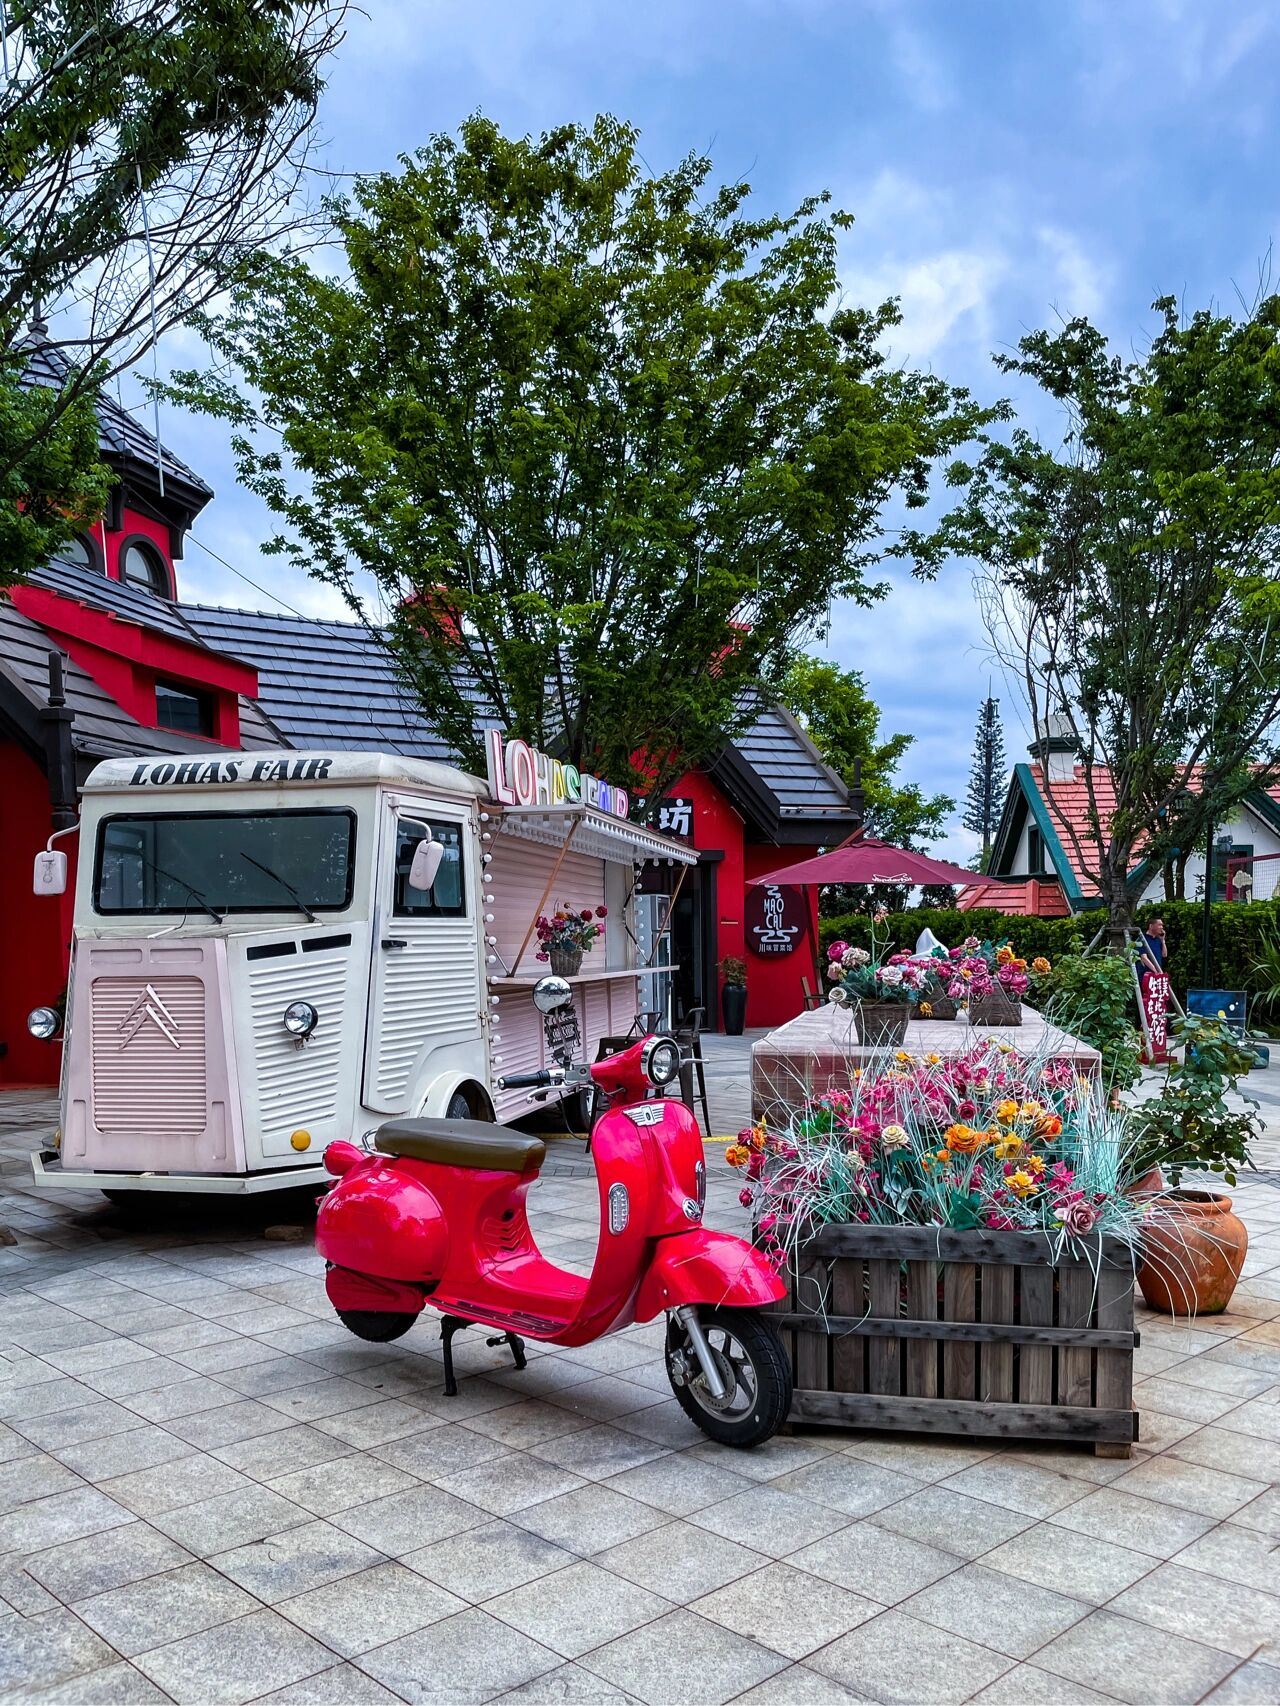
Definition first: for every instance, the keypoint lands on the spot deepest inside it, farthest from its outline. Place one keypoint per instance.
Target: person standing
(1153, 950)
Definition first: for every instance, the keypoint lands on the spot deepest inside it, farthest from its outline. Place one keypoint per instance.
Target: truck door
(424, 995)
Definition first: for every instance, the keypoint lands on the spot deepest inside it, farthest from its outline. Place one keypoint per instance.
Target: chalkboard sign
(560, 1027)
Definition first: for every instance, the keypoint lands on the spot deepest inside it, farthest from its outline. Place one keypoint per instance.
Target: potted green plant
(733, 994)
(1193, 1246)
(568, 934)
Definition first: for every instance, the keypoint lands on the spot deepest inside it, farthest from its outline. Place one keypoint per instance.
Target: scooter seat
(462, 1143)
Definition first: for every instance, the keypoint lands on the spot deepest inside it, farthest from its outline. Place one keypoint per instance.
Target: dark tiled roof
(791, 767)
(121, 438)
(333, 684)
(135, 604)
(323, 684)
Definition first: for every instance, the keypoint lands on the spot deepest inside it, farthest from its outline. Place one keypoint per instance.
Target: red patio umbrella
(863, 859)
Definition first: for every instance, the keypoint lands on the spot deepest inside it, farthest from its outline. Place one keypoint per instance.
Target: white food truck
(275, 949)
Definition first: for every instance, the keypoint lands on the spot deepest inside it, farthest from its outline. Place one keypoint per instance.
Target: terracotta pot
(1192, 1254)
(1148, 1184)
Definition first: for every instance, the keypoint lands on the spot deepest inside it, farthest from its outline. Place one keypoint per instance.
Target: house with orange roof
(1046, 813)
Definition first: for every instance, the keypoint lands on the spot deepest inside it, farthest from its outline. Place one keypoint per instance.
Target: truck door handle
(394, 942)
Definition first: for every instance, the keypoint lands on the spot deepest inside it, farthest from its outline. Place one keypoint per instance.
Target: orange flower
(1008, 1148)
(1004, 956)
(1006, 1112)
(1048, 1125)
(1040, 965)
(737, 1155)
(964, 1140)
(1021, 1184)
(1034, 1164)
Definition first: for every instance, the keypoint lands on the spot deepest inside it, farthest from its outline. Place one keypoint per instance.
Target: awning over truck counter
(595, 833)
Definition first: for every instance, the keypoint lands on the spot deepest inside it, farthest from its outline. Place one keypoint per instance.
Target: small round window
(78, 553)
(142, 565)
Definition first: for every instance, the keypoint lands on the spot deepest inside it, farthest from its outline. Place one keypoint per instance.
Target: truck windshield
(232, 861)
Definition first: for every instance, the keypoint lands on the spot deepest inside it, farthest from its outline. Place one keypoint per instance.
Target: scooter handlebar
(527, 1080)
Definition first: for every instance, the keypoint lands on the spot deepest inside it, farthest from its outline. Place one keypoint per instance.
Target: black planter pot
(733, 1005)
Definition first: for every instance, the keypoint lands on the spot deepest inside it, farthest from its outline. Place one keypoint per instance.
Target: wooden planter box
(926, 1330)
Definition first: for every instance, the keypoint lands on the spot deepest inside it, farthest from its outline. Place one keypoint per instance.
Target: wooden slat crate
(934, 1331)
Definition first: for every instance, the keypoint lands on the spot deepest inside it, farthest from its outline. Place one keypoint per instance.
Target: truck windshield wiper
(183, 884)
(287, 887)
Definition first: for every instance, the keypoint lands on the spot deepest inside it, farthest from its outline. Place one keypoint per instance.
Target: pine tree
(986, 777)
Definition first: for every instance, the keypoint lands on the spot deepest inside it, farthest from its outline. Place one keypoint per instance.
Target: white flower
(894, 1137)
(840, 995)
(891, 976)
(855, 957)
(835, 972)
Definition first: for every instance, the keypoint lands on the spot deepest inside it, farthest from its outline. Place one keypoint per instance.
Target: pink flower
(836, 949)
(768, 1222)
(1079, 1218)
(602, 912)
(542, 956)
(746, 1198)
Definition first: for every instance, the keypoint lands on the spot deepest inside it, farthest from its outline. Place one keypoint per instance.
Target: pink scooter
(437, 1214)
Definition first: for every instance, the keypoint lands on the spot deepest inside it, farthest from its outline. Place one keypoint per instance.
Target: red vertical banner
(1155, 1006)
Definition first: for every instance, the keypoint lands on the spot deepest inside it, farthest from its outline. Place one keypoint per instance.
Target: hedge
(1237, 930)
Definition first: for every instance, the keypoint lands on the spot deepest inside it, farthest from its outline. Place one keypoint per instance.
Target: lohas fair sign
(520, 775)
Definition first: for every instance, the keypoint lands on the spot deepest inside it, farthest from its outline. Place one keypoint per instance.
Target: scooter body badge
(619, 1208)
(645, 1113)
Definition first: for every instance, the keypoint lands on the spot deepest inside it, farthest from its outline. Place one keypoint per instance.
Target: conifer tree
(986, 776)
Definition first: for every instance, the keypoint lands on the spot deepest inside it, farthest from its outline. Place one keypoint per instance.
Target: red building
(140, 672)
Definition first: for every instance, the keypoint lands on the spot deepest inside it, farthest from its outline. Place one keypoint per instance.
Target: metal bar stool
(689, 1036)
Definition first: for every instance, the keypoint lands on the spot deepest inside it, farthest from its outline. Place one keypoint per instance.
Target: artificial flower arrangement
(973, 969)
(569, 931)
(857, 975)
(989, 1139)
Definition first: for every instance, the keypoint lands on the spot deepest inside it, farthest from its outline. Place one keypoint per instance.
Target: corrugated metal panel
(428, 996)
(148, 1055)
(296, 1086)
(519, 874)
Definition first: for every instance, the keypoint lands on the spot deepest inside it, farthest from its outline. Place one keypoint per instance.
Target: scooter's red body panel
(459, 1237)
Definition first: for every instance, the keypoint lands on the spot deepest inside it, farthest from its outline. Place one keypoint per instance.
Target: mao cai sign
(520, 775)
(775, 919)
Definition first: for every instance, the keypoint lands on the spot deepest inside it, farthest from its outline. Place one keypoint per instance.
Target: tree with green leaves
(594, 439)
(985, 797)
(147, 147)
(1131, 579)
(843, 721)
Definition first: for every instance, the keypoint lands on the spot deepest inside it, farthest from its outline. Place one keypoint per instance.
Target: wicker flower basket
(996, 1007)
(883, 1024)
(566, 962)
(938, 1007)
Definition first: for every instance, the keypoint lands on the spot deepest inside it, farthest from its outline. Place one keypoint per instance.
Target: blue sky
(1007, 161)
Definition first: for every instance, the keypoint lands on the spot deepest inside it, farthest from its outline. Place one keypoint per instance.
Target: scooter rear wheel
(754, 1364)
(377, 1325)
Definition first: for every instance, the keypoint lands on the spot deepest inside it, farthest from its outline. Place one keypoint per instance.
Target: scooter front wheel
(753, 1367)
(379, 1326)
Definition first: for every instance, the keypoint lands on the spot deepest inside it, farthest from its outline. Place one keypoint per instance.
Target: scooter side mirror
(550, 993)
(50, 876)
(425, 864)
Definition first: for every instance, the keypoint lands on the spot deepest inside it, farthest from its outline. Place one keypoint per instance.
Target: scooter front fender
(714, 1268)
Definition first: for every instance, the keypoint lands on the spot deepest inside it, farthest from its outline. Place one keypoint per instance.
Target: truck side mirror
(426, 864)
(50, 876)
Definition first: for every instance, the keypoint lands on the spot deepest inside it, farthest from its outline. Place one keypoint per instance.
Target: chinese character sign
(775, 919)
(675, 818)
(1155, 1006)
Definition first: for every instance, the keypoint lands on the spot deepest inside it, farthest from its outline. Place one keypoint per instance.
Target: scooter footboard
(712, 1268)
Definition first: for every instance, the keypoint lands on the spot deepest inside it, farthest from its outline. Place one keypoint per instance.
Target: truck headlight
(300, 1019)
(43, 1022)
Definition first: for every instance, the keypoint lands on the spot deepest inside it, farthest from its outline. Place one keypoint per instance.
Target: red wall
(133, 522)
(37, 930)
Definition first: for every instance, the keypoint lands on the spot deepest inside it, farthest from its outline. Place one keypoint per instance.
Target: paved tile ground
(210, 1492)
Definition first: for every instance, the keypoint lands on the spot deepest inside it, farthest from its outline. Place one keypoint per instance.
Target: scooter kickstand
(449, 1325)
(515, 1344)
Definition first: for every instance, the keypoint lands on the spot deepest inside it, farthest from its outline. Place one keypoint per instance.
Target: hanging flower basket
(565, 962)
(882, 1024)
(995, 1006)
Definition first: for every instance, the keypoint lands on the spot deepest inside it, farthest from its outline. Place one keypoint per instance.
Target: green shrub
(1095, 1000)
(1238, 934)
(1189, 1126)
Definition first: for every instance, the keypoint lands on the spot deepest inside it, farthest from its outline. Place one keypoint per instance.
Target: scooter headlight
(43, 1022)
(300, 1019)
(660, 1059)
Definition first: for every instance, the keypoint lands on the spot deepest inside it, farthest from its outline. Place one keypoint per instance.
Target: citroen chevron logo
(148, 1006)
